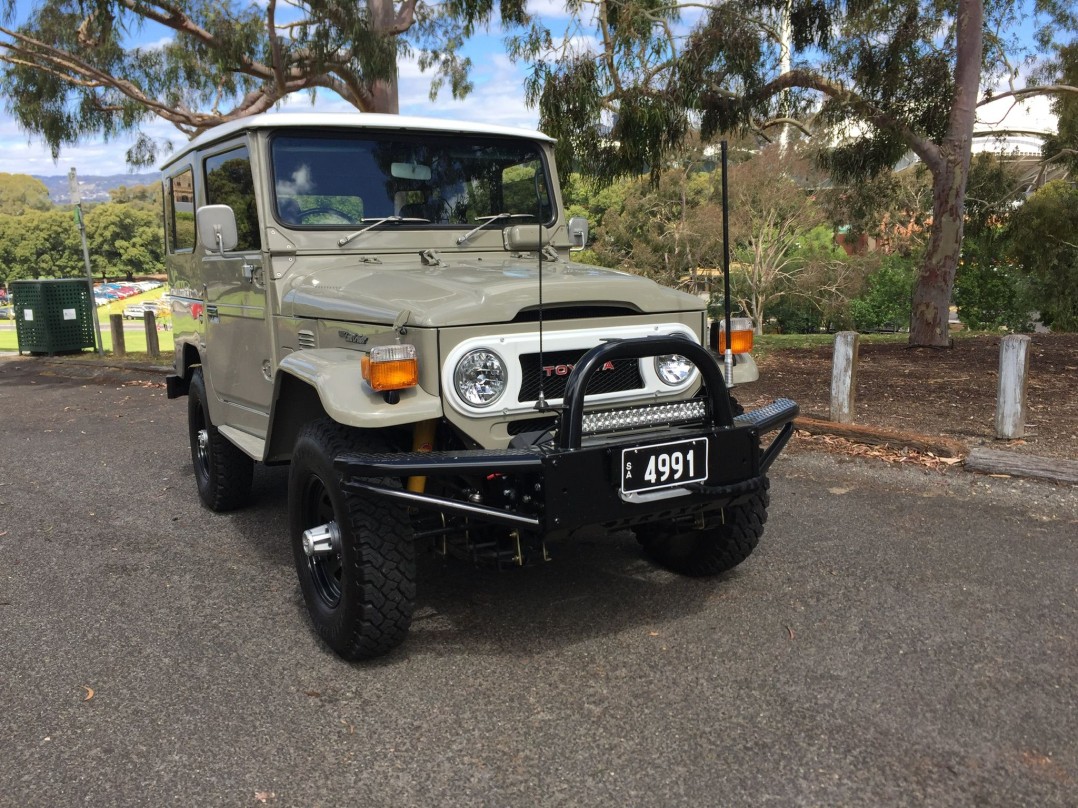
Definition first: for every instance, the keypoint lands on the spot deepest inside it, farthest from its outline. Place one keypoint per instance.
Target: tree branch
(924, 148)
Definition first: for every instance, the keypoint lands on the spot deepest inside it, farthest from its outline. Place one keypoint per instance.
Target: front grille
(554, 372)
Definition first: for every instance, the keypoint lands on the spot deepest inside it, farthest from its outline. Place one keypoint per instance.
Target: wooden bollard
(1011, 400)
(116, 325)
(844, 376)
(153, 347)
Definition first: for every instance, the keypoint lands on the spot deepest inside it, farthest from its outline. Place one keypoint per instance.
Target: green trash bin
(53, 315)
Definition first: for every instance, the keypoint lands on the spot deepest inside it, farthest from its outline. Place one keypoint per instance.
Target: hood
(468, 292)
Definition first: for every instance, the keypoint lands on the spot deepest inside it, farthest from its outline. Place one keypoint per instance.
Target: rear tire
(725, 541)
(223, 473)
(361, 594)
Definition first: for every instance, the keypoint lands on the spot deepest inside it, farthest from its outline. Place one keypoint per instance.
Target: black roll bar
(572, 419)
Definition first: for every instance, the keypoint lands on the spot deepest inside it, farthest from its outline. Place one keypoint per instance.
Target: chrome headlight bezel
(674, 370)
(480, 368)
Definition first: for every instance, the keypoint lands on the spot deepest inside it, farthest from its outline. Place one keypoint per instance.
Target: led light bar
(650, 415)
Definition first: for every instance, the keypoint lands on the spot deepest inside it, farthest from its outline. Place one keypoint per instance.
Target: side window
(229, 182)
(180, 211)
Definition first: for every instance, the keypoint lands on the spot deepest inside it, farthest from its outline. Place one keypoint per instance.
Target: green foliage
(143, 196)
(20, 193)
(885, 303)
(1044, 245)
(40, 244)
(46, 244)
(124, 239)
(795, 315)
(664, 231)
(989, 291)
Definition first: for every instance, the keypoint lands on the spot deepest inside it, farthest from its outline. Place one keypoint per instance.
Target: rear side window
(180, 213)
(229, 182)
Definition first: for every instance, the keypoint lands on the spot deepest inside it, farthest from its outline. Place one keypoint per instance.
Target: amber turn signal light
(741, 341)
(391, 367)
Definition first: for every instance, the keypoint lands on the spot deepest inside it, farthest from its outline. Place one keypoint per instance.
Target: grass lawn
(135, 342)
(769, 343)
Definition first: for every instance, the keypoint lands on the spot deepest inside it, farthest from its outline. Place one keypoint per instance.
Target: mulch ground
(938, 392)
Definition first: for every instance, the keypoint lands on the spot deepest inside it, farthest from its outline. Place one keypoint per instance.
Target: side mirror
(216, 227)
(578, 232)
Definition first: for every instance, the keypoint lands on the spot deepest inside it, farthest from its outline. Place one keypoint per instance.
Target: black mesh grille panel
(624, 375)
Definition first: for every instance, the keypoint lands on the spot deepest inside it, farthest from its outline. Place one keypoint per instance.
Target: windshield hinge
(430, 258)
(370, 259)
(550, 253)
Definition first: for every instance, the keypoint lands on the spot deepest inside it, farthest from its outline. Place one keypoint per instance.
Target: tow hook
(322, 540)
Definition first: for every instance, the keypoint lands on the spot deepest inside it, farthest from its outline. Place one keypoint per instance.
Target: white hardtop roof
(356, 120)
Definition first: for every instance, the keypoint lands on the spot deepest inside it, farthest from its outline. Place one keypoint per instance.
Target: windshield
(428, 179)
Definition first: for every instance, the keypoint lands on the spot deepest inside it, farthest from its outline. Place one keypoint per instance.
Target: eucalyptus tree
(75, 68)
(870, 81)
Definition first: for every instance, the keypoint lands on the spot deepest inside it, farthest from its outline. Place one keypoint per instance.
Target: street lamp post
(76, 198)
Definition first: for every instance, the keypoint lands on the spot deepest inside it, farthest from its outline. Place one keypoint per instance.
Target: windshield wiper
(374, 222)
(485, 220)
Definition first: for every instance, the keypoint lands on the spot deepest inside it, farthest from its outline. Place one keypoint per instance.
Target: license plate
(663, 465)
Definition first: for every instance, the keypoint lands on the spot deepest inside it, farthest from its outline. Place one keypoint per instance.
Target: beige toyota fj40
(389, 305)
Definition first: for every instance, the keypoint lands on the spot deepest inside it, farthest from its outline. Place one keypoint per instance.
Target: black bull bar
(574, 482)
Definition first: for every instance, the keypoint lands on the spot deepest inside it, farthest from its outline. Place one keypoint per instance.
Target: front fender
(328, 381)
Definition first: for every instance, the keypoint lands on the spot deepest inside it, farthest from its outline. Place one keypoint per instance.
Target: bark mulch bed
(948, 393)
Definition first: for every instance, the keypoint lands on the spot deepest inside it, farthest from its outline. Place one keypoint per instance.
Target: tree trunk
(384, 96)
(384, 92)
(932, 294)
(950, 170)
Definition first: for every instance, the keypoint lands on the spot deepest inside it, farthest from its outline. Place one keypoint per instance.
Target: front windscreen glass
(429, 179)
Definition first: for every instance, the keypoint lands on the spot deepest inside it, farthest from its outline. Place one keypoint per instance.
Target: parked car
(137, 311)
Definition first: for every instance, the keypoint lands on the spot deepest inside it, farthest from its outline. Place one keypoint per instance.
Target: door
(238, 339)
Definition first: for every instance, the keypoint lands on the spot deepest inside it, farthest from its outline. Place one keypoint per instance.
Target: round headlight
(480, 377)
(673, 369)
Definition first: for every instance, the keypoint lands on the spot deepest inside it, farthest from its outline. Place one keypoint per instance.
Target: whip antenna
(540, 403)
(726, 269)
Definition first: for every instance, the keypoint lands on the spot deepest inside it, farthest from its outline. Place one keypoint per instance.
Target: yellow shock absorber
(422, 441)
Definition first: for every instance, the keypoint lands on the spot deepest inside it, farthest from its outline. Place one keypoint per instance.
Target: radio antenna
(540, 403)
(729, 354)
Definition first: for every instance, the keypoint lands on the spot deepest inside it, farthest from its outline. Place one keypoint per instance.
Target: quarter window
(180, 218)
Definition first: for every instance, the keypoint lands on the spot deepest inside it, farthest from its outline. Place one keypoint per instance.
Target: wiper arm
(485, 220)
(374, 222)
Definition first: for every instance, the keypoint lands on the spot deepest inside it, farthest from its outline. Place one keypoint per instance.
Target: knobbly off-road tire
(725, 542)
(360, 598)
(223, 473)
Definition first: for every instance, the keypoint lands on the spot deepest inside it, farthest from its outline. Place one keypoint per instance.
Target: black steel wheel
(355, 555)
(726, 539)
(223, 473)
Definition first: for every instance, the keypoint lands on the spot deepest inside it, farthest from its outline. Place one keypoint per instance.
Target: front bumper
(576, 479)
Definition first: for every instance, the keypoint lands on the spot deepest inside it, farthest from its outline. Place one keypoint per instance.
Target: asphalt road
(901, 637)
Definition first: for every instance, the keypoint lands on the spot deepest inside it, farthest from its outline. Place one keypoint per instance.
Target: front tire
(727, 539)
(360, 588)
(223, 473)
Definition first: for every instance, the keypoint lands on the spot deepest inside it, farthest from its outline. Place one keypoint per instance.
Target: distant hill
(94, 188)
